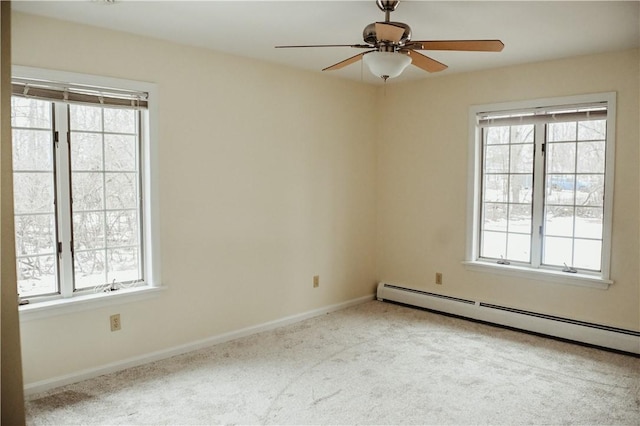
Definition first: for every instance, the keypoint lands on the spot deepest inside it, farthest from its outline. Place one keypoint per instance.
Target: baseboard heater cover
(564, 328)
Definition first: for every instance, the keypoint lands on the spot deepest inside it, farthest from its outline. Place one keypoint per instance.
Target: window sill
(39, 310)
(577, 279)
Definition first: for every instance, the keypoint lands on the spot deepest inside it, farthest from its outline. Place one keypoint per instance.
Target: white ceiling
(531, 31)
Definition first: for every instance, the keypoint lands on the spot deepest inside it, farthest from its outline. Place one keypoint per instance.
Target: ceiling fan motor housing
(369, 33)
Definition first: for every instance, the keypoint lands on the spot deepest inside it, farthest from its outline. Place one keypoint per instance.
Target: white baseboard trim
(34, 388)
(578, 331)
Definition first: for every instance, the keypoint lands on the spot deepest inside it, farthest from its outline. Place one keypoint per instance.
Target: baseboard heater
(564, 328)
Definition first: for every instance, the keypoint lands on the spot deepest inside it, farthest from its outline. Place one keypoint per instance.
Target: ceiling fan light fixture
(386, 64)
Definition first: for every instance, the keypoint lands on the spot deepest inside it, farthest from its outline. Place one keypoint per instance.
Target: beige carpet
(375, 363)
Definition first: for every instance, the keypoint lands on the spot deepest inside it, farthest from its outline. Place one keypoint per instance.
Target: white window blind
(80, 94)
(543, 115)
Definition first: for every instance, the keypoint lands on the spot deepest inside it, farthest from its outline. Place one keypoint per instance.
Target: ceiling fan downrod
(387, 6)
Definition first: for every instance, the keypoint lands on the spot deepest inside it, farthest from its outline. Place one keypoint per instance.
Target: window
(542, 185)
(81, 159)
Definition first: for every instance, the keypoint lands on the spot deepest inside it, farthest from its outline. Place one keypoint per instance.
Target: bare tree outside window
(34, 196)
(104, 199)
(574, 208)
(570, 197)
(105, 193)
(507, 192)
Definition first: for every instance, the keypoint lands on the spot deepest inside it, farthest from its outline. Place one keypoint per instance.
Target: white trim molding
(548, 275)
(55, 307)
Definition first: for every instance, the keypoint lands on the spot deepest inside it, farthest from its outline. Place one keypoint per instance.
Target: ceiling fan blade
(346, 62)
(388, 32)
(464, 45)
(358, 46)
(424, 62)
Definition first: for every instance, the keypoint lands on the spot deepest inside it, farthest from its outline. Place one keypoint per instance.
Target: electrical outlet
(316, 281)
(115, 322)
(439, 278)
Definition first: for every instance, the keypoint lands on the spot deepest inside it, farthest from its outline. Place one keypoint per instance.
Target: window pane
(520, 187)
(118, 120)
(108, 232)
(561, 158)
(121, 190)
(558, 221)
(557, 251)
(560, 190)
(33, 192)
(590, 190)
(521, 158)
(120, 153)
(89, 269)
(494, 244)
(507, 192)
(522, 134)
(496, 188)
(35, 234)
(37, 275)
(83, 117)
(34, 197)
(520, 218)
(591, 156)
(496, 159)
(562, 131)
(589, 222)
(495, 217)
(592, 130)
(496, 135)
(575, 195)
(88, 230)
(519, 247)
(122, 228)
(587, 254)
(87, 191)
(32, 150)
(86, 152)
(123, 265)
(30, 113)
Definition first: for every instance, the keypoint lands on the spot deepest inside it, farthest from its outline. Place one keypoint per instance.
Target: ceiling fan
(391, 49)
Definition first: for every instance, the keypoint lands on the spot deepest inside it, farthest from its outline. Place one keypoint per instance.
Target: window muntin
(507, 192)
(105, 189)
(571, 217)
(574, 196)
(34, 197)
(87, 195)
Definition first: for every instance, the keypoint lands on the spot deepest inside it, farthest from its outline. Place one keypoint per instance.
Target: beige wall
(267, 177)
(422, 191)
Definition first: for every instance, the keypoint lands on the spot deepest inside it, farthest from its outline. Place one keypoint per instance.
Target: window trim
(474, 169)
(87, 302)
(150, 192)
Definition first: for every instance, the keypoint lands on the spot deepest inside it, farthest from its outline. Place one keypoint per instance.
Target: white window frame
(150, 204)
(473, 262)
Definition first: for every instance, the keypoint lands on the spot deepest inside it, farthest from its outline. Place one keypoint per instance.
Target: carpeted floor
(375, 363)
